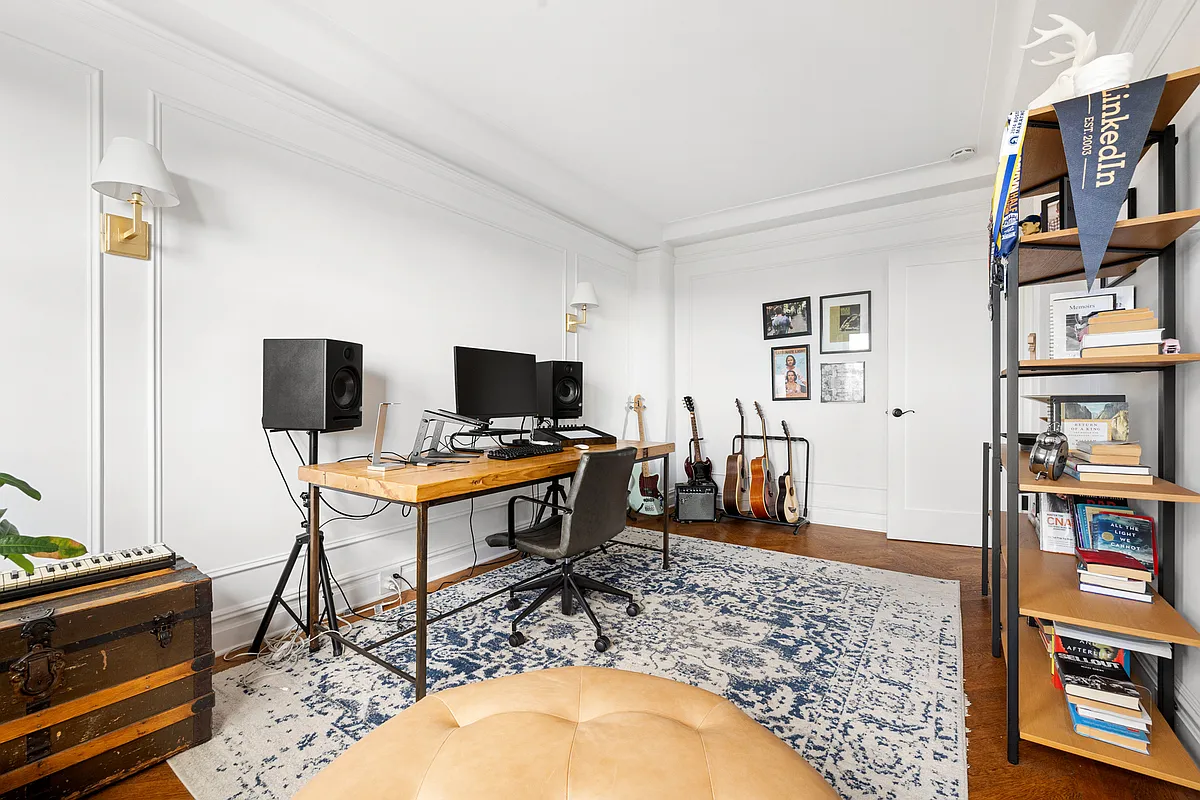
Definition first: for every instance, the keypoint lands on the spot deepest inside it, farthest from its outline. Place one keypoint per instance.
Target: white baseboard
(235, 627)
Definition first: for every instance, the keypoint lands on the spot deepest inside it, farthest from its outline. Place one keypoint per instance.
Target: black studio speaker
(560, 389)
(312, 384)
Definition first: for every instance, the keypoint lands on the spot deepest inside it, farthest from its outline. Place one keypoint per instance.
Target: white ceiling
(641, 118)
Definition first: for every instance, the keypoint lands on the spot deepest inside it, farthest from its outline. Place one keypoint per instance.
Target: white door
(939, 357)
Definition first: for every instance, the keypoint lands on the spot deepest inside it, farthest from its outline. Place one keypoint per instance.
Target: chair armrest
(512, 512)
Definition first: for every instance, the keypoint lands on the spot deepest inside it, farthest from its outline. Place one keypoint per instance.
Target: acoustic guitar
(787, 508)
(735, 495)
(762, 485)
(644, 495)
(697, 467)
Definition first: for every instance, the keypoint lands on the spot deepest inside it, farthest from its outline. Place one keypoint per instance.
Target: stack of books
(1108, 462)
(1103, 701)
(1116, 550)
(1129, 332)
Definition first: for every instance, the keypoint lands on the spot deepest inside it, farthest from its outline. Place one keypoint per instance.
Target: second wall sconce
(132, 171)
(585, 295)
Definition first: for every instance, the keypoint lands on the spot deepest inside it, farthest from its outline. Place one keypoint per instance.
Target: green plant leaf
(64, 548)
(39, 546)
(21, 561)
(7, 528)
(3, 511)
(20, 484)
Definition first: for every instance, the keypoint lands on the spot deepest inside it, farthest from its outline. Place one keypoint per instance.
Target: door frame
(950, 251)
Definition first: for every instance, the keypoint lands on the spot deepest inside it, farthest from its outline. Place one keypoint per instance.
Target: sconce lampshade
(131, 166)
(585, 295)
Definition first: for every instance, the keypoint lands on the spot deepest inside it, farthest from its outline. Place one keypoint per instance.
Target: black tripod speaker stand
(314, 540)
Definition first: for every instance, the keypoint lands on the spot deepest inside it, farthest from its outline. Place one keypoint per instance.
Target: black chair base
(571, 586)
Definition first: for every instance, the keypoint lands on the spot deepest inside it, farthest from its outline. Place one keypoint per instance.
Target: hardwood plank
(418, 484)
(1160, 490)
(1050, 590)
(1046, 721)
(1042, 157)
(1043, 773)
(1154, 233)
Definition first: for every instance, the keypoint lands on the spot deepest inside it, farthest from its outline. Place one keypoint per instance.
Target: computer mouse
(582, 447)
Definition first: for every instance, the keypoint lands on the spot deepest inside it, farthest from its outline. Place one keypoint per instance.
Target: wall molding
(95, 322)
(332, 544)
(221, 70)
(750, 244)
(1187, 704)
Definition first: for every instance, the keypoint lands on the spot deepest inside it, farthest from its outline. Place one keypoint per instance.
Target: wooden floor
(1043, 773)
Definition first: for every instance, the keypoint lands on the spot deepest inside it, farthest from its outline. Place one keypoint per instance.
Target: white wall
(133, 389)
(720, 353)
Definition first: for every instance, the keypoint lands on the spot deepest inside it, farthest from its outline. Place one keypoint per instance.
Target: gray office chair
(593, 514)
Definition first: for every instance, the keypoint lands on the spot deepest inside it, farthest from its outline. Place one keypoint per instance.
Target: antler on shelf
(1083, 44)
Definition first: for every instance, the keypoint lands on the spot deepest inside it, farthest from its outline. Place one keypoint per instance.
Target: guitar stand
(803, 521)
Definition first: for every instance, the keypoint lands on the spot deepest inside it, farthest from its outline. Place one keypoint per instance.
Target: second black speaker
(560, 389)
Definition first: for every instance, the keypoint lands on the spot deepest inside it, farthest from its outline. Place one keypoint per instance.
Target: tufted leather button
(570, 733)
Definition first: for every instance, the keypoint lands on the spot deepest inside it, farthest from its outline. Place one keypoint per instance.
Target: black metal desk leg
(422, 621)
(666, 476)
(314, 568)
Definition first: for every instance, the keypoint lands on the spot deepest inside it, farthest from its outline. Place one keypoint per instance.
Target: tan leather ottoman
(576, 732)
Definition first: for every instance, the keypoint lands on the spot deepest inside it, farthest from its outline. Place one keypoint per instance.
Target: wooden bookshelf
(1049, 589)
(1044, 258)
(1043, 160)
(1091, 366)
(1160, 490)
(1044, 720)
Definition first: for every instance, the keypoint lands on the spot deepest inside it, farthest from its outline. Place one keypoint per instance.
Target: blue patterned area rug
(859, 669)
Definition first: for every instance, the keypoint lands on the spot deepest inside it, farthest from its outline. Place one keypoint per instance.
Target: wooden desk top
(445, 482)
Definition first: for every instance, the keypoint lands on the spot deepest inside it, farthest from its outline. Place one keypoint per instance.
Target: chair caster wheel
(602, 643)
(513, 604)
(516, 638)
(632, 609)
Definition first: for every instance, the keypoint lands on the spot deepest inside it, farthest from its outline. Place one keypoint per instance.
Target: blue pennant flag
(1103, 135)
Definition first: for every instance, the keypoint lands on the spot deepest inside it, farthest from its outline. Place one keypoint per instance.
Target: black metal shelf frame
(992, 471)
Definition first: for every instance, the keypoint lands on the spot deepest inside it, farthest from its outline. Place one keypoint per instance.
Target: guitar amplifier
(695, 502)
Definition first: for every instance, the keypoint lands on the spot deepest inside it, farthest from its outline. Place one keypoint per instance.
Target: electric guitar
(697, 467)
(644, 494)
(762, 485)
(734, 494)
(787, 508)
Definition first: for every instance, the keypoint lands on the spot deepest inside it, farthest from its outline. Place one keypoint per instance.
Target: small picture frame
(843, 382)
(789, 373)
(846, 323)
(1051, 214)
(783, 319)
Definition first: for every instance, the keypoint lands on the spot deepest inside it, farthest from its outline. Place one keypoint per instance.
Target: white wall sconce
(585, 295)
(133, 171)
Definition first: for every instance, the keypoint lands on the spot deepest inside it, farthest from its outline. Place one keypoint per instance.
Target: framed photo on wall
(789, 373)
(846, 323)
(785, 318)
(844, 382)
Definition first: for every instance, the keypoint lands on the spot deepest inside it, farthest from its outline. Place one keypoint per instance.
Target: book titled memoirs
(1131, 535)
(1096, 679)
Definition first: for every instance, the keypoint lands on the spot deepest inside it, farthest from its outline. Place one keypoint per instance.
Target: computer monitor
(491, 384)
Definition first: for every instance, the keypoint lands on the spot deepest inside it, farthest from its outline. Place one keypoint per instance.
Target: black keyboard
(524, 451)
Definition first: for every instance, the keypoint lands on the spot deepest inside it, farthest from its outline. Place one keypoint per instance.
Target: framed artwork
(1051, 214)
(785, 318)
(846, 323)
(844, 382)
(789, 373)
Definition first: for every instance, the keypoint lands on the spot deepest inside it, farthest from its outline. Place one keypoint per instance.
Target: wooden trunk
(104, 680)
